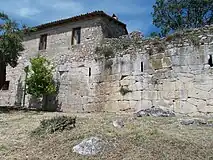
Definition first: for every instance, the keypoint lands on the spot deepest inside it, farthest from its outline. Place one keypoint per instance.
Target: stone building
(69, 43)
(102, 68)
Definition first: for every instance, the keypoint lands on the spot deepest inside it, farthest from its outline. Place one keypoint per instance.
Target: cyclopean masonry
(102, 68)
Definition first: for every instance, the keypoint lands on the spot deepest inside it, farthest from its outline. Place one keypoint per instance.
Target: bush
(40, 78)
(124, 91)
(55, 124)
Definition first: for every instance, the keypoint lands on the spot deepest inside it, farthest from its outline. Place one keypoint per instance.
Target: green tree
(39, 81)
(172, 15)
(154, 34)
(11, 37)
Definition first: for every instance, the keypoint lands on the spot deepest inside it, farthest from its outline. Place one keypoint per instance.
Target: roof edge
(78, 18)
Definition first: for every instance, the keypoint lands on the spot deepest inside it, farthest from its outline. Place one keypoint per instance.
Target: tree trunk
(44, 107)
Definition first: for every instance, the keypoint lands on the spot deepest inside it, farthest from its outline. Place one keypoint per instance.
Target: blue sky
(135, 13)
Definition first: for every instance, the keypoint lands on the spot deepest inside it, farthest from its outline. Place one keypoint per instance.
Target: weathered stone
(166, 62)
(206, 109)
(184, 107)
(89, 147)
(199, 94)
(143, 104)
(155, 112)
(156, 64)
(187, 121)
(161, 73)
(118, 123)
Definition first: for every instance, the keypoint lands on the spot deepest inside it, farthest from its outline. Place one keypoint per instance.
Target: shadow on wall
(48, 103)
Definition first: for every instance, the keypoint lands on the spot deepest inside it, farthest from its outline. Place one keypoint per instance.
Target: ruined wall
(111, 29)
(123, 74)
(172, 73)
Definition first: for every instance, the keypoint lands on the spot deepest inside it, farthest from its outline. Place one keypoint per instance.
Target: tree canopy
(173, 15)
(11, 37)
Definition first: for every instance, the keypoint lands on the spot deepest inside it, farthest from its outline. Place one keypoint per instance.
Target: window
(4, 85)
(90, 72)
(43, 42)
(142, 67)
(210, 62)
(76, 36)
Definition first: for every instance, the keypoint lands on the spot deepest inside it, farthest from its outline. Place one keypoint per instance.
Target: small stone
(118, 123)
(201, 121)
(187, 121)
(210, 123)
(141, 113)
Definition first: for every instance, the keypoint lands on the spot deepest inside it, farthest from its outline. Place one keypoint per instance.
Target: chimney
(114, 16)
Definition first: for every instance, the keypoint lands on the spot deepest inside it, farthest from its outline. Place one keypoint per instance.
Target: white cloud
(27, 12)
(20, 8)
(72, 6)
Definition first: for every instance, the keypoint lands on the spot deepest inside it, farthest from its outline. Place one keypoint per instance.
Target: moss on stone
(156, 64)
(167, 62)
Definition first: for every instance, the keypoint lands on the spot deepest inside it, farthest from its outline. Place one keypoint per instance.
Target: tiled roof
(77, 18)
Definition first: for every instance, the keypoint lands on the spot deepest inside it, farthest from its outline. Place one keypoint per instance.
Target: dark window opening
(43, 42)
(4, 85)
(76, 36)
(90, 72)
(210, 61)
(142, 68)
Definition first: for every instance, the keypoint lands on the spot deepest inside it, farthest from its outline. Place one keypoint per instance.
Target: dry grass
(141, 138)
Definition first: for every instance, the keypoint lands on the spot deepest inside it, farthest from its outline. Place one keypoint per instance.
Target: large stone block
(149, 95)
(116, 106)
(156, 64)
(206, 109)
(166, 62)
(164, 104)
(199, 94)
(209, 102)
(197, 102)
(184, 107)
(169, 86)
(136, 95)
(181, 94)
(143, 104)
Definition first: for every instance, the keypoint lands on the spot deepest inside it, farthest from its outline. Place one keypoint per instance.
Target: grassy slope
(141, 138)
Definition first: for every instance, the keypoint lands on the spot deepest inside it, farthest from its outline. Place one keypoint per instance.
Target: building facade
(66, 43)
(100, 67)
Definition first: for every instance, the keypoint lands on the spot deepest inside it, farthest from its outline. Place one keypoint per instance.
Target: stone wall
(68, 59)
(127, 73)
(172, 73)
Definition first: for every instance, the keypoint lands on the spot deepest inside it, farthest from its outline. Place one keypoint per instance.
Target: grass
(141, 138)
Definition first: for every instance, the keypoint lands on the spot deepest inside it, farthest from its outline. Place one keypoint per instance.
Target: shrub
(105, 51)
(124, 91)
(54, 124)
(40, 80)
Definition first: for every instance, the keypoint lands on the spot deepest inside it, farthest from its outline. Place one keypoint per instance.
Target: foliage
(124, 91)
(105, 51)
(108, 64)
(11, 37)
(173, 15)
(54, 124)
(154, 35)
(40, 78)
